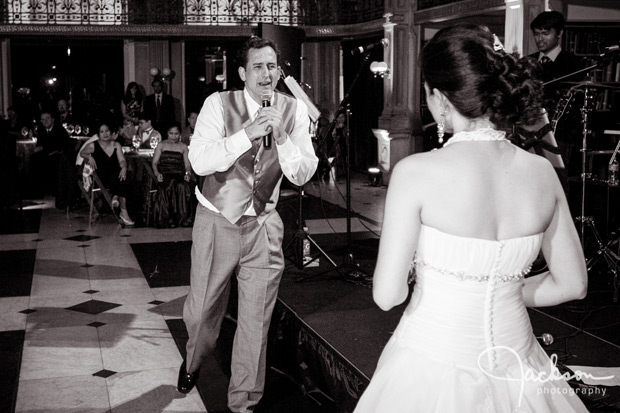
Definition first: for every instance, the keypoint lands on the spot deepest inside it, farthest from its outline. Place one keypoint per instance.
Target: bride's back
(488, 190)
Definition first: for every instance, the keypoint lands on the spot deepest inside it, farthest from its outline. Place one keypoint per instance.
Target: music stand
(301, 233)
(349, 269)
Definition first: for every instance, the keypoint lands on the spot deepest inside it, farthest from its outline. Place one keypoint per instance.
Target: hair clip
(497, 44)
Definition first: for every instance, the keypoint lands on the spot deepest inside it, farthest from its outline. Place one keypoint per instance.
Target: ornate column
(321, 69)
(399, 88)
(519, 14)
(5, 76)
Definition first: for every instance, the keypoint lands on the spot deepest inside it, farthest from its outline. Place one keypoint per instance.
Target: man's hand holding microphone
(267, 125)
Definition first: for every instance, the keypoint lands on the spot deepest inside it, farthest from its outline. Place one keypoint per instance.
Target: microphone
(363, 49)
(266, 102)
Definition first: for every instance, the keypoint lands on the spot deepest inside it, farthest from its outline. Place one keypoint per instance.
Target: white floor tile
(73, 394)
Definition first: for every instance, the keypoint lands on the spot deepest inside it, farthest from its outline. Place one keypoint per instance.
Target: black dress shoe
(187, 381)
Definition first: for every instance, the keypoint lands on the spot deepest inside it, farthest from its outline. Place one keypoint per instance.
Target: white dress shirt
(552, 54)
(210, 151)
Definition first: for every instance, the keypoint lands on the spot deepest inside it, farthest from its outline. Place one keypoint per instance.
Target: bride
(473, 216)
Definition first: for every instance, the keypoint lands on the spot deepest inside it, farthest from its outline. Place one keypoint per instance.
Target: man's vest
(255, 176)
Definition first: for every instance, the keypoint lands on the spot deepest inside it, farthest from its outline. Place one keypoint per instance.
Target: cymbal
(599, 85)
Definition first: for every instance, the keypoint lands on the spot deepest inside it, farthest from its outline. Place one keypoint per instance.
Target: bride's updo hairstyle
(482, 79)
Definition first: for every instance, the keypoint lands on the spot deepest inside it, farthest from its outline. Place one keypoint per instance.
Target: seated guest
(52, 162)
(191, 125)
(146, 131)
(105, 155)
(13, 124)
(173, 171)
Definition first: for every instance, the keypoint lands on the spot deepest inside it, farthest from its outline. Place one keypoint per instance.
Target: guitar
(560, 108)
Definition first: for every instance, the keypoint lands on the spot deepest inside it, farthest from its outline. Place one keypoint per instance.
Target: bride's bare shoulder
(417, 168)
(535, 163)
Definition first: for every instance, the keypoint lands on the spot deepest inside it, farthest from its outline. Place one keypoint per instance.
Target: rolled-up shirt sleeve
(296, 155)
(210, 151)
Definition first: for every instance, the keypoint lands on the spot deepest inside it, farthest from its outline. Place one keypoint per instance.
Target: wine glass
(70, 128)
(85, 130)
(78, 129)
(136, 141)
(25, 131)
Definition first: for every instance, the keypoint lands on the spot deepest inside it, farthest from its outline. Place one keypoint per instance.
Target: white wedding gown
(465, 342)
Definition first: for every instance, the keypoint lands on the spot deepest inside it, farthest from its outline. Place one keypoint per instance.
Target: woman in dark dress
(131, 106)
(173, 172)
(105, 155)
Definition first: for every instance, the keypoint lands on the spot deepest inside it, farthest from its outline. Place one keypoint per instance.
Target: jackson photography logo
(527, 374)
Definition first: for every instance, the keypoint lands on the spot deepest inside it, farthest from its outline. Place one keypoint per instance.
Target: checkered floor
(80, 327)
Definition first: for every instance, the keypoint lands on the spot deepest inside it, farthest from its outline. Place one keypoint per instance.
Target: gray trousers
(219, 250)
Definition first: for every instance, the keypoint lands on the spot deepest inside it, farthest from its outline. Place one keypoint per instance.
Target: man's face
(261, 73)
(47, 120)
(547, 39)
(62, 106)
(193, 117)
(144, 124)
(157, 87)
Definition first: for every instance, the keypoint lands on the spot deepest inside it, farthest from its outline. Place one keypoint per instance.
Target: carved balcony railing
(189, 12)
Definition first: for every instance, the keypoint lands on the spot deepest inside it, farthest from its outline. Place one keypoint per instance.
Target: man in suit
(548, 28)
(160, 107)
(237, 230)
(52, 161)
(64, 116)
(146, 131)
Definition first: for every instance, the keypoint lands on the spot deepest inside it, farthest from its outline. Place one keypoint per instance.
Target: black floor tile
(16, 274)
(164, 264)
(11, 345)
(19, 222)
(93, 307)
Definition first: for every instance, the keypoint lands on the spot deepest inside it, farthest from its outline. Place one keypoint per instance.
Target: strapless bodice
(470, 290)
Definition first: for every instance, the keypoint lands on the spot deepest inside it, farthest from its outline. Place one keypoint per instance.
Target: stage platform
(327, 334)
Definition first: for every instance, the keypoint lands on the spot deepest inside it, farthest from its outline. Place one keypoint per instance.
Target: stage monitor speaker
(289, 41)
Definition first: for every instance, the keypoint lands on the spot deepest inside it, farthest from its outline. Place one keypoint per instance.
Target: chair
(93, 189)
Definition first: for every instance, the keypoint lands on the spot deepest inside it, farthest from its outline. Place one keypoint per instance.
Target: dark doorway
(366, 101)
(87, 73)
(210, 66)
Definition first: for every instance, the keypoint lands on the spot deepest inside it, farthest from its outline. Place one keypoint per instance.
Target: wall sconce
(165, 74)
(375, 177)
(380, 69)
(220, 78)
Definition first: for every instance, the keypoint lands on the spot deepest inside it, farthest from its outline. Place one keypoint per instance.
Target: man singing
(237, 229)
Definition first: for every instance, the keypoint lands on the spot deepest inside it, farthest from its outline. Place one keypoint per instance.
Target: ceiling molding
(457, 10)
(151, 31)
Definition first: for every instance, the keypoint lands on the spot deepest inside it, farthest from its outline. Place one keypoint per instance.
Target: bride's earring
(440, 128)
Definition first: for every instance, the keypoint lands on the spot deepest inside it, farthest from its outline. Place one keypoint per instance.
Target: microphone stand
(350, 269)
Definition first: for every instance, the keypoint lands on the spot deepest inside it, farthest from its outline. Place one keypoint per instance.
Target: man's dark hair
(255, 42)
(548, 20)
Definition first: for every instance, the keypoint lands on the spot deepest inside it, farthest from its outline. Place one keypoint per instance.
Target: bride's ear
(441, 97)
